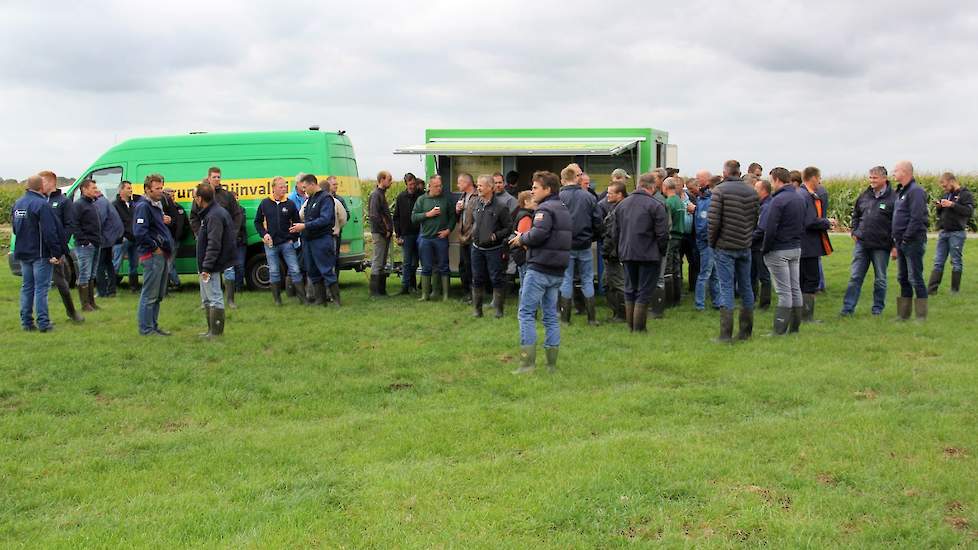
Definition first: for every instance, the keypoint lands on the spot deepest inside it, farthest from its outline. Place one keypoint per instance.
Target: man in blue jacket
(61, 273)
(707, 270)
(582, 208)
(317, 241)
(783, 226)
(872, 227)
(910, 220)
(548, 244)
(154, 247)
(40, 245)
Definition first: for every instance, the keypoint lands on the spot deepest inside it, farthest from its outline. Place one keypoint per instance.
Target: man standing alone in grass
(216, 242)
(436, 216)
(548, 244)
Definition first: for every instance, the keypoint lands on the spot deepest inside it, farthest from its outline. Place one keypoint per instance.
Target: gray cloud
(840, 85)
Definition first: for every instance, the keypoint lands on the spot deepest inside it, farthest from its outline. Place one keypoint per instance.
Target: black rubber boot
(746, 324)
(446, 285)
(374, 283)
(229, 291)
(935, 281)
(134, 283)
(551, 359)
(478, 295)
(334, 291)
(83, 297)
(726, 326)
(630, 315)
(618, 310)
(808, 308)
(289, 288)
(299, 291)
(920, 309)
(955, 282)
(782, 318)
(566, 309)
(640, 317)
(528, 360)
(319, 294)
(383, 284)
(795, 322)
(210, 321)
(70, 310)
(217, 322)
(658, 303)
(425, 288)
(765, 299)
(904, 308)
(498, 302)
(277, 293)
(592, 314)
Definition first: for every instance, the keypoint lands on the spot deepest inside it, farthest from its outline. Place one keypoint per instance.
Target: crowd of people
(756, 238)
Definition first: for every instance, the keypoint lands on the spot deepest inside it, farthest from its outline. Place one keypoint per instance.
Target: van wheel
(256, 272)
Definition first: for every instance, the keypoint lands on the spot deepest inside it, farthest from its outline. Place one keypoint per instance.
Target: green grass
(397, 424)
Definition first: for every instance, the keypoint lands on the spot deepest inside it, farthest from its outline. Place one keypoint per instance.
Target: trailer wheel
(256, 272)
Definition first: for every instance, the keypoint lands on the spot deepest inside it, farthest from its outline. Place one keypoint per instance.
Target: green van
(248, 162)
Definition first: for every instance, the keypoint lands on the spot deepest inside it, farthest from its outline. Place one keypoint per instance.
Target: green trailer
(598, 151)
(248, 162)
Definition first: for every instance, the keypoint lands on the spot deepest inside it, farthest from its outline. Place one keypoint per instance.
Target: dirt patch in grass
(957, 522)
(399, 386)
(771, 497)
(955, 452)
(826, 479)
(867, 394)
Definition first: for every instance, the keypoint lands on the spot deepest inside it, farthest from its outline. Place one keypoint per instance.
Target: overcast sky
(841, 85)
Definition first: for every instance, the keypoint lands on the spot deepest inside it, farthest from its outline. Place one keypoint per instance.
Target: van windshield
(107, 180)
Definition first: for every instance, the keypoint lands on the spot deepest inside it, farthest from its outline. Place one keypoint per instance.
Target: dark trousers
(487, 267)
(758, 271)
(465, 266)
(640, 280)
(910, 269)
(808, 275)
(105, 278)
(409, 267)
(691, 252)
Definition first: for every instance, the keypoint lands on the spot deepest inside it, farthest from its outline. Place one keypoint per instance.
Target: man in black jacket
(124, 204)
(177, 225)
(491, 225)
(872, 227)
(61, 206)
(548, 244)
(381, 229)
(733, 216)
(782, 224)
(642, 230)
(614, 277)
(583, 211)
(227, 201)
(88, 239)
(406, 232)
(954, 211)
(910, 221)
(815, 241)
(275, 215)
(216, 241)
(318, 246)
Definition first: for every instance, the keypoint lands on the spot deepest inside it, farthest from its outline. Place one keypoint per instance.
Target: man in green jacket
(435, 213)
(674, 258)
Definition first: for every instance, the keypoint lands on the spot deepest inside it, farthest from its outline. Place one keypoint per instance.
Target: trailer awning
(522, 148)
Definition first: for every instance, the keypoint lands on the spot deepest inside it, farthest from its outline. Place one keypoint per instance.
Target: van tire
(256, 271)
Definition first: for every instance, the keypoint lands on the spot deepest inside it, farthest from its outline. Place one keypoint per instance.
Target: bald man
(910, 219)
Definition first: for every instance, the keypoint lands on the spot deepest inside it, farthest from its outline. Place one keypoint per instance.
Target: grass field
(397, 424)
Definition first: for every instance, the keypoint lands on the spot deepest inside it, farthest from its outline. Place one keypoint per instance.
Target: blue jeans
(34, 292)
(585, 262)
(861, 259)
(154, 288)
(734, 265)
(409, 267)
(87, 256)
(487, 267)
(275, 255)
(950, 242)
(910, 269)
(434, 256)
(321, 260)
(707, 274)
(127, 248)
(539, 290)
(210, 292)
